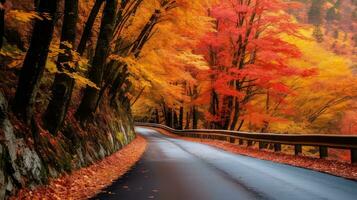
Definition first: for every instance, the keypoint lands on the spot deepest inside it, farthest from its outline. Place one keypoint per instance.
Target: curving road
(173, 169)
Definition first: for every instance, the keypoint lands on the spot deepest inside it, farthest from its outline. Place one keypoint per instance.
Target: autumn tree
(315, 17)
(35, 60)
(135, 50)
(128, 50)
(247, 57)
(116, 70)
(320, 100)
(315, 12)
(167, 80)
(88, 104)
(89, 26)
(63, 84)
(332, 13)
(2, 22)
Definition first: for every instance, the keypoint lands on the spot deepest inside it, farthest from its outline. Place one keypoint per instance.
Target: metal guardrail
(323, 142)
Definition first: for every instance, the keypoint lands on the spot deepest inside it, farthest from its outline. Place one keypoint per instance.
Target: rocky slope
(27, 163)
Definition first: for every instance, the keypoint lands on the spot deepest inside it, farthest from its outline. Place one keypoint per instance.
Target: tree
(315, 18)
(247, 58)
(315, 103)
(2, 22)
(332, 13)
(135, 50)
(88, 26)
(180, 122)
(35, 60)
(115, 70)
(164, 78)
(88, 104)
(315, 12)
(63, 84)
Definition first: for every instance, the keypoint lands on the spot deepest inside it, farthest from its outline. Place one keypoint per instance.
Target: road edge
(89, 181)
(331, 167)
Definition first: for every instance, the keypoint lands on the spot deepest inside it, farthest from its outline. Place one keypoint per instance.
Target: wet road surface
(174, 169)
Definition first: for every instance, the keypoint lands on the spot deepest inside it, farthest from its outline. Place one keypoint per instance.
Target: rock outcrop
(24, 165)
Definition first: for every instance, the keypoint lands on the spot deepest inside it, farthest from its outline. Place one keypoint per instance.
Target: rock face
(23, 165)
(19, 163)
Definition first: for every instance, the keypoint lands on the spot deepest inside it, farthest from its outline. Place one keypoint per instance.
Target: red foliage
(246, 54)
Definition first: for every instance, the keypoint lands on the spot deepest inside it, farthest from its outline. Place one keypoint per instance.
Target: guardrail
(323, 142)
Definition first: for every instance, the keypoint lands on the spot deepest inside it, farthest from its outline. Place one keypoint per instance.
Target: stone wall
(23, 164)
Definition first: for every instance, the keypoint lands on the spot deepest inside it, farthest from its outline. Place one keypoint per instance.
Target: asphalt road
(173, 169)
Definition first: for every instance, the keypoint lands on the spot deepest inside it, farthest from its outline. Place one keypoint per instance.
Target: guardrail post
(249, 143)
(277, 147)
(298, 149)
(323, 152)
(231, 140)
(262, 145)
(354, 156)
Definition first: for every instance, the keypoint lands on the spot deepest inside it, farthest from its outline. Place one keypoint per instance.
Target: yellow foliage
(318, 101)
(194, 60)
(24, 16)
(51, 66)
(80, 80)
(167, 58)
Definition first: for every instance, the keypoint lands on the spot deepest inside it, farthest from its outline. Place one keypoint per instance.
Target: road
(174, 169)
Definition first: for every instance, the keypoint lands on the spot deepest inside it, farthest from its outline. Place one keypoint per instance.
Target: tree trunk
(110, 71)
(314, 13)
(240, 125)
(145, 33)
(88, 26)
(214, 108)
(164, 112)
(63, 84)
(227, 111)
(35, 60)
(137, 97)
(175, 120)
(157, 117)
(194, 117)
(187, 125)
(236, 113)
(2, 22)
(36, 3)
(135, 49)
(87, 107)
(168, 117)
(118, 82)
(180, 125)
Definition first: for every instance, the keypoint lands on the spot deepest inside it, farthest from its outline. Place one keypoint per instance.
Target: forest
(265, 66)
(76, 74)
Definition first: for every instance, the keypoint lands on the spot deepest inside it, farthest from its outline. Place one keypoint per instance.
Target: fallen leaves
(86, 182)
